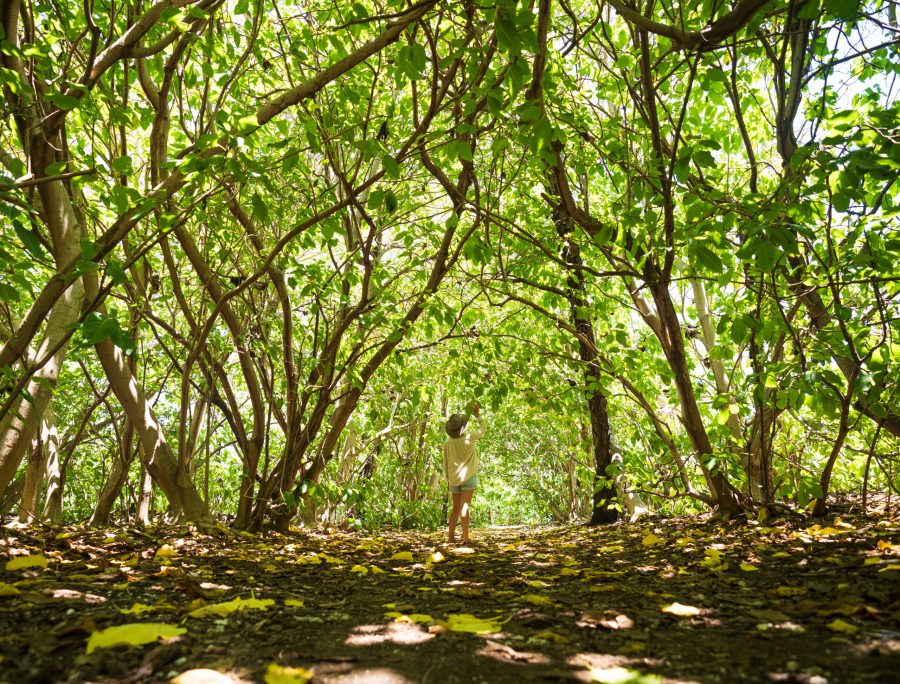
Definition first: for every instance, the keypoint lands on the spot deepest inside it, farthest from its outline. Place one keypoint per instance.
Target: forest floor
(660, 600)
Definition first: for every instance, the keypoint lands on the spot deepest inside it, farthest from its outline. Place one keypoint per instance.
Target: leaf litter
(661, 600)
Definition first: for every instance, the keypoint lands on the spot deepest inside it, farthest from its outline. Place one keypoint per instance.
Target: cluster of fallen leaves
(663, 600)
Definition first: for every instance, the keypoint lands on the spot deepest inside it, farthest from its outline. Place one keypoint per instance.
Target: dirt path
(662, 600)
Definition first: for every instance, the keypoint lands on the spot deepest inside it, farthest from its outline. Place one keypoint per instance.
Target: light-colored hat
(455, 424)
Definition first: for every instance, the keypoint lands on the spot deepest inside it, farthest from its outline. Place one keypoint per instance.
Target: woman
(461, 468)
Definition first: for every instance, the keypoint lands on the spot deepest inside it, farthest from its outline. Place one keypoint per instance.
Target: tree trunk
(156, 454)
(118, 474)
(604, 495)
(758, 466)
(53, 499)
(145, 498)
(34, 477)
(19, 426)
(720, 489)
(12, 495)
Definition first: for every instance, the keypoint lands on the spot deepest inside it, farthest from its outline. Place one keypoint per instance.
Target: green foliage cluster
(253, 254)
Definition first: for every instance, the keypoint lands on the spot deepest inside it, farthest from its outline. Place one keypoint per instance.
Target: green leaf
(391, 167)
(84, 266)
(707, 259)
(412, 60)
(8, 293)
(738, 331)
(96, 327)
(842, 9)
(766, 256)
(55, 168)
(121, 164)
(390, 201)
(29, 240)
(247, 124)
(464, 151)
(507, 35)
(115, 272)
(65, 102)
(88, 249)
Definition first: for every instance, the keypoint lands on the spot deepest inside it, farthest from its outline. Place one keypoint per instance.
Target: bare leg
(466, 501)
(454, 516)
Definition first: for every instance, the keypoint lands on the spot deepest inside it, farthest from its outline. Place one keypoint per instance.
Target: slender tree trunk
(145, 498)
(20, 425)
(720, 489)
(118, 474)
(157, 455)
(604, 495)
(12, 495)
(53, 499)
(825, 479)
(34, 477)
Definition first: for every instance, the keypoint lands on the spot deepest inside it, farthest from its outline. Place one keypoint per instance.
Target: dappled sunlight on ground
(659, 601)
(403, 633)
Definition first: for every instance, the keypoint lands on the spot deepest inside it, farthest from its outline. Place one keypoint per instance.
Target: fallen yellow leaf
(8, 590)
(748, 567)
(651, 540)
(22, 562)
(226, 608)
(680, 610)
(537, 600)
(547, 635)
(134, 634)
(402, 556)
(892, 566)
(361, 569)
(436, 557)
(790, 591)
(463, 622)
(308, 559)
(714, 560)
(413, 617)
(842, 626)
(293, 603)
(165, 551)
(280, 674)
(137, 609)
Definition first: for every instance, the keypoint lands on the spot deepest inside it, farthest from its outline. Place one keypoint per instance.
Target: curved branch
(703, 40)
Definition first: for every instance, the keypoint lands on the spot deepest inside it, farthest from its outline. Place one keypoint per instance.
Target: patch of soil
(668, 600)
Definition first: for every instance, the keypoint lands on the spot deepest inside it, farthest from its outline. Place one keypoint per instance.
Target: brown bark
(156, 454)
(604, 495)
(115, 479)
(721, 491)
(31, 491)
(706, 39)
(53, 498)
(145, 498)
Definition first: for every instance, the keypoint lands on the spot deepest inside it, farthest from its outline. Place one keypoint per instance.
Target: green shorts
(466, 486)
